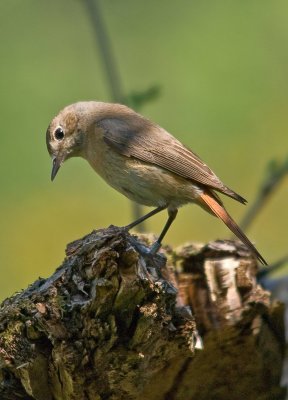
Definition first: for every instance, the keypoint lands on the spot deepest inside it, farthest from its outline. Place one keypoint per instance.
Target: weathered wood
(110, 324)
(243, 331)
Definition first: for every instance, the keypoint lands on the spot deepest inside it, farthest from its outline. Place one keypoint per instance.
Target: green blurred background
(222, 67)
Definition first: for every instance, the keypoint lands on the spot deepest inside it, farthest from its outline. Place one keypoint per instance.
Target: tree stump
(114, 322)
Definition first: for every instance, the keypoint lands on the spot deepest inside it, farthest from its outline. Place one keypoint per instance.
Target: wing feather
(141, 139)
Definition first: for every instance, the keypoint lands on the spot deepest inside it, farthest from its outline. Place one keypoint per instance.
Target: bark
(113, 322)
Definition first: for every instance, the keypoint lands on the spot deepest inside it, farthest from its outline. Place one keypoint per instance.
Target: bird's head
(64, 137)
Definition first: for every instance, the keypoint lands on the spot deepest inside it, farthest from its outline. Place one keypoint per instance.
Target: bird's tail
(213, 205)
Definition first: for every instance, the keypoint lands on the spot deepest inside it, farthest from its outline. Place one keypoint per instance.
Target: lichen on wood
(100, 327)
(114, 322)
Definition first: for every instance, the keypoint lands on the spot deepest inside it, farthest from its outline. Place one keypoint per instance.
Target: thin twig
(274, 175)
(272, 268)
(111, 70)
(105, 48)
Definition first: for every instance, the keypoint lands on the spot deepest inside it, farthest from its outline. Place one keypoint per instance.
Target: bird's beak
(55, 167)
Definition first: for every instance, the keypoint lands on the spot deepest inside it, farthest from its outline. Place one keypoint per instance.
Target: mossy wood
(114, 323)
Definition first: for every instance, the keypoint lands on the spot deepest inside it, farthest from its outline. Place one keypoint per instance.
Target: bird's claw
(154, 248)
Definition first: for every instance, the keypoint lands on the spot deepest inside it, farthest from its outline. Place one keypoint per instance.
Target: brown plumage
(139, 159)
(156, 146)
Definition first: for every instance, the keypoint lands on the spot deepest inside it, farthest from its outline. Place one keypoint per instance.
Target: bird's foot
(152, 251)
(154, 248)
(126, 228)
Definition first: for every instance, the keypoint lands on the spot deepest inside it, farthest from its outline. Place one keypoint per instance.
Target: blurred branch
(105, 48)
(137, 99)
(263, 272)
(113, 75)
(275, 173)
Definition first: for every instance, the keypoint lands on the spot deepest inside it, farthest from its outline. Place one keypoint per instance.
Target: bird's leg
(156, 246)
(144, 217)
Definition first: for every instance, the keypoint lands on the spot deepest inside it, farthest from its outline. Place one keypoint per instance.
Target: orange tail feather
(217, 209)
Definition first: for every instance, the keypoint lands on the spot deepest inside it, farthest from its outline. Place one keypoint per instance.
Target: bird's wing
(150, 143)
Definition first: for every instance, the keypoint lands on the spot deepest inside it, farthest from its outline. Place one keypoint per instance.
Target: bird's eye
(59, 134)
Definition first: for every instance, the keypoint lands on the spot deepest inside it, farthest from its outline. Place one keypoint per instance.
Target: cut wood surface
(113, 322)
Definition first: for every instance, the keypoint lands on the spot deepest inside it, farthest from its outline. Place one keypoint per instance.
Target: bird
(141, 160)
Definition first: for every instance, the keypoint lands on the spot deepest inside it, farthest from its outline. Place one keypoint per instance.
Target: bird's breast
(142, 182)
